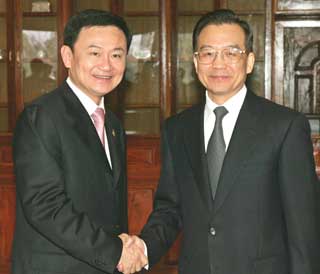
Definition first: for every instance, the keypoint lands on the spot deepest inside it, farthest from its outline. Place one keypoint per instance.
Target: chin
(220, 92)
(104, 90)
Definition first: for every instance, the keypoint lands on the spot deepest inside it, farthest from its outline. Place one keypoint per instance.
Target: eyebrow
(228, 46)
(98, 47)
(120, 49)
(94, 46)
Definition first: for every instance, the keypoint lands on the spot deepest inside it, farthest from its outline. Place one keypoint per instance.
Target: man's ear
(66, 55)
(195, 62)
(250, 62)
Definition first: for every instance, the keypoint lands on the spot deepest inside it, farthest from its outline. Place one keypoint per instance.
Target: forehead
(102, 36)
(221, 35)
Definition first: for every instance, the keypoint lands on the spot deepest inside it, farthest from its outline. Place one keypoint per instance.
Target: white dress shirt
(90, 107)
(233, 105)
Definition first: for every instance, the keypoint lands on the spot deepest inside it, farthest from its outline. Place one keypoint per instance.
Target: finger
(139, 262)
(142, 261)
(124, 237)
(135, 262)
(120, 267)
(145, 261)
(138, 268)
(126, 271)
(133, 269)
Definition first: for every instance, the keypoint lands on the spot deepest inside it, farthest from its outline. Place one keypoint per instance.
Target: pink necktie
(98, 120)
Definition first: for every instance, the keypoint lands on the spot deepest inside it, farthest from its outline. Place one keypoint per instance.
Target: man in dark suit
(70, 164)
(238, 174)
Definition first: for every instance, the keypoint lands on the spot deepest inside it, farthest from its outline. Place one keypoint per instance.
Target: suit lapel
(113, 135)
(240, 147)
(194, 145)
(79, 118)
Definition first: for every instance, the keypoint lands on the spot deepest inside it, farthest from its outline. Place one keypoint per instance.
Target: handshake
(133, 257)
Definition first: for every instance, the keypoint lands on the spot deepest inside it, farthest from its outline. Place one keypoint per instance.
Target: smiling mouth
(103, 76)
(219, 76)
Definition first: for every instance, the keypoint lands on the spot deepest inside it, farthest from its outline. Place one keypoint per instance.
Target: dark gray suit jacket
(70, 205)
(264, 219)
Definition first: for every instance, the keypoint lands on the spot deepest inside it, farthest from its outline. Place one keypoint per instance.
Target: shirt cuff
(146, 254)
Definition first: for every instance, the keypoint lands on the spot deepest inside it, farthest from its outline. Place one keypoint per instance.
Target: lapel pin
(113, 133)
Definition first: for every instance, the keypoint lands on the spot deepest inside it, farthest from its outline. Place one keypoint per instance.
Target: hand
(132, 257)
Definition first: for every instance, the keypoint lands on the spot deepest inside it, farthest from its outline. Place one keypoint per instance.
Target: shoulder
(51, 102)
(274, 117)
(187, 117)
(37, 125)
(41, 113)
(272, 110)
(50, 99)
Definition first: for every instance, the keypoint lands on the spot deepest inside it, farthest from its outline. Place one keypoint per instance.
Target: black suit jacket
(264, 219)
(70, 206)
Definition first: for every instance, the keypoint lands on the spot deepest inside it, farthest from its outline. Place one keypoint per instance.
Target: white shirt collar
(85, 100)
(233, 104)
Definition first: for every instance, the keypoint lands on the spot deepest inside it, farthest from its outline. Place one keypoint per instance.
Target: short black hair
(91, 18)
(219, 17)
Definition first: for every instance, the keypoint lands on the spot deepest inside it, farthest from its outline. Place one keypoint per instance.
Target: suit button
(212, 231)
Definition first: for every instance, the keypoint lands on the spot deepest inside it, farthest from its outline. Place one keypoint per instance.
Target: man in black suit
(238, 174)
(70, 164)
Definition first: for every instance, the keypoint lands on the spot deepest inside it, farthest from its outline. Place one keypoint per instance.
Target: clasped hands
(133, 257)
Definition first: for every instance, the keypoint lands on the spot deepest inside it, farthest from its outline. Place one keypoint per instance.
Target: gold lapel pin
(113, 133)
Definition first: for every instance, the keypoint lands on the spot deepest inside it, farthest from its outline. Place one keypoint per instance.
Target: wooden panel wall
(143, 172)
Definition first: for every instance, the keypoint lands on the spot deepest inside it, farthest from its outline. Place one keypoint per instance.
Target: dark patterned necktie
(216, 150)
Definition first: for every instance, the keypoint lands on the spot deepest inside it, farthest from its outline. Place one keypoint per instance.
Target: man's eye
(117, 55)
(94, 53)
(231, 53)
(207, 54)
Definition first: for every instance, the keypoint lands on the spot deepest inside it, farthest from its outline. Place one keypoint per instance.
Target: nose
(218, 61)
(105, 63)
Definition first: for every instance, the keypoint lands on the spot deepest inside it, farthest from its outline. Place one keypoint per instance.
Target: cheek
(201, 73)
(240, 77)
(85, 63)
(240, 71)
(121, 69)
(201, 78)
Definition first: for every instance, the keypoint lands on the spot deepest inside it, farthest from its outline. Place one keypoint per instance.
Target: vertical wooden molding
(168, 57)
(18, 21)
(10, 64)
(14, 28)
(268, 50)
(272, 56)
(117, 7)
(220, 4)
